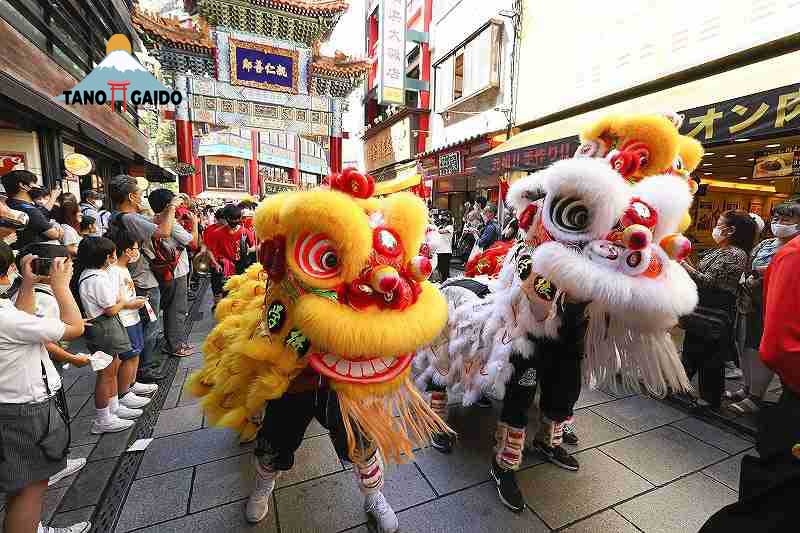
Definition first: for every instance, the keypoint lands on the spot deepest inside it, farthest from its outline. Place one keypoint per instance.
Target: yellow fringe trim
(370, 423)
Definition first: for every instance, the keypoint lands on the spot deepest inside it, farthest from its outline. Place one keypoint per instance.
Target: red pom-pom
(354, 183)
(272, 256)
(527, 216)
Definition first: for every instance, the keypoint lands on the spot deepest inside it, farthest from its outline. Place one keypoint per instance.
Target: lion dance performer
(592, 291)
(325, 326)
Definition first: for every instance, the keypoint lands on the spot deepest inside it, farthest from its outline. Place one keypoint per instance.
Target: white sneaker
(80, 527)
(113, 425)
(144, 389)
(73, 465)
(258, 503)
(377, 506)
(127, 413)
(133, 401)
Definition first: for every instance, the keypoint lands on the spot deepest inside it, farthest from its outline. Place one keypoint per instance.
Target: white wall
(25, 142)
(453, 21)
(576, 51)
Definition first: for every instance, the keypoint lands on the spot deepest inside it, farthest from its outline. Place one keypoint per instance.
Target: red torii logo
(123, 86)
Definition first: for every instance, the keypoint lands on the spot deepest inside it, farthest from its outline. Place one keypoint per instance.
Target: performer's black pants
(557, 370)
(443, 266)
(286, 420)
(217, 282)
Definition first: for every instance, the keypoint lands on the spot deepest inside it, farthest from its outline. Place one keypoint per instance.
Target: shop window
(458, 75)
(469, 69)
(211, 177)
(226, 177)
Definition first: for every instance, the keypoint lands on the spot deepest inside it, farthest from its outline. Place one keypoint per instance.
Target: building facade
(48, 49)
(473, 73)
(262, 109)
(730, 69)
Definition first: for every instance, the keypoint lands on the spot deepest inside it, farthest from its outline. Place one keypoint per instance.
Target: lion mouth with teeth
(340, 295)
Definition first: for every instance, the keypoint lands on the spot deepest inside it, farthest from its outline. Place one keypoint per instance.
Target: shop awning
(157, 174)
(526, 152)
(396, 185)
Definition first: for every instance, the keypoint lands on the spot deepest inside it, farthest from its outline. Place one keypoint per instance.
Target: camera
(41, 266)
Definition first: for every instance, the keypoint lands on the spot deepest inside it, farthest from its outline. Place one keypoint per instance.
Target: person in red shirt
(226, 242)
(770, 483)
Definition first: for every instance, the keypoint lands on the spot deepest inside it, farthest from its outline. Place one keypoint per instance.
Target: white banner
(392, 52)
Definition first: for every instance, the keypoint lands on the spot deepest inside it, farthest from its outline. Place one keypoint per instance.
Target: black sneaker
(149, 376)
(507, 488)
(442, 442)
(557, 455)
(484, 402)
(570, 437)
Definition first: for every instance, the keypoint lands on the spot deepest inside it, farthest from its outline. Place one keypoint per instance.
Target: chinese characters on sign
(450, 164)
(388, 146)
(392, 52)
(11, 161)
(263, 66)
(768, 112)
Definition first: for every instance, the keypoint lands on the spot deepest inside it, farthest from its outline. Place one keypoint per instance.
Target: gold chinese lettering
(247, 65)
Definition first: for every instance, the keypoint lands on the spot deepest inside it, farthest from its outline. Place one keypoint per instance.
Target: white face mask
(784, 231)
(98, 204)
(717, 235)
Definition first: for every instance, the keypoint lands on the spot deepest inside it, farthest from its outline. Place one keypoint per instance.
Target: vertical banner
(392, 52)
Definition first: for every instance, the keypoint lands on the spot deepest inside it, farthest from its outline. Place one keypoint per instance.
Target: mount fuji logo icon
(120, 78)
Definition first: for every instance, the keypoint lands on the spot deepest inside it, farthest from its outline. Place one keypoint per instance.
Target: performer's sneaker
(557, 455)
(442, 442)
(258, 502)
(570, 437)
(484, 402)
(507, 488)
(377, 507)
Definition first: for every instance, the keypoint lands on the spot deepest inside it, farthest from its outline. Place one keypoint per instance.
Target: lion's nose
(384, 279)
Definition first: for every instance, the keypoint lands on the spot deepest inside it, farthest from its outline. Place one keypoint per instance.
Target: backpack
(165, 257)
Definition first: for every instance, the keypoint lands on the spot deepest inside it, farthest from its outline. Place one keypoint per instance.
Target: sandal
(184, 351)
(746, 406)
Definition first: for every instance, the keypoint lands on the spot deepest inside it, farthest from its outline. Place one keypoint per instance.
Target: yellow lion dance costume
(341, 290)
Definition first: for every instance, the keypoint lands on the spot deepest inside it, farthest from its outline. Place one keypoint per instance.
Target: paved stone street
(645, 466)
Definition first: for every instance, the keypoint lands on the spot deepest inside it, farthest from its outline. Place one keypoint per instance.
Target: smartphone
(41, 266)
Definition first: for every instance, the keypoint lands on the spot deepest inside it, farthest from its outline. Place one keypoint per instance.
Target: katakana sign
(263, 67)
(392, 52)
(770, 112)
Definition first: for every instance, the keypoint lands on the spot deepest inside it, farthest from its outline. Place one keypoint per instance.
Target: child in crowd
(131, 393)
(46, 306)
(102, 302)
(88, 226)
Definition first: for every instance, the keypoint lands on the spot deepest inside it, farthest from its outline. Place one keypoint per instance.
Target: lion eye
(570, 214)
(316, 255)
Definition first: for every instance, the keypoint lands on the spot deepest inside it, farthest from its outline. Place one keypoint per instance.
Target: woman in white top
(68, 214)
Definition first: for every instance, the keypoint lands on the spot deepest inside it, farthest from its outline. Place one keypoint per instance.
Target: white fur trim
(670, 196)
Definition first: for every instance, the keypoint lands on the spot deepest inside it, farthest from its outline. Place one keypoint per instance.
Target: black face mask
(234, 224)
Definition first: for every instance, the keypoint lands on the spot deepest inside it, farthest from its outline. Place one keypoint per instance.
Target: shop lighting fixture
(771, 145)
(744, 177)
(710, 153)
(742, 140)
(751, 159)
(706, 164)
(730, 155)
(707, 173)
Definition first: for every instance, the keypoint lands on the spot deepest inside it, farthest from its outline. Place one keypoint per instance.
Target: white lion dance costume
(326, 327)
(593, 290)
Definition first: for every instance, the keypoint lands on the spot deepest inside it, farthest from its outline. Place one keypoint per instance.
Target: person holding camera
(20, 186)
(33, 409)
